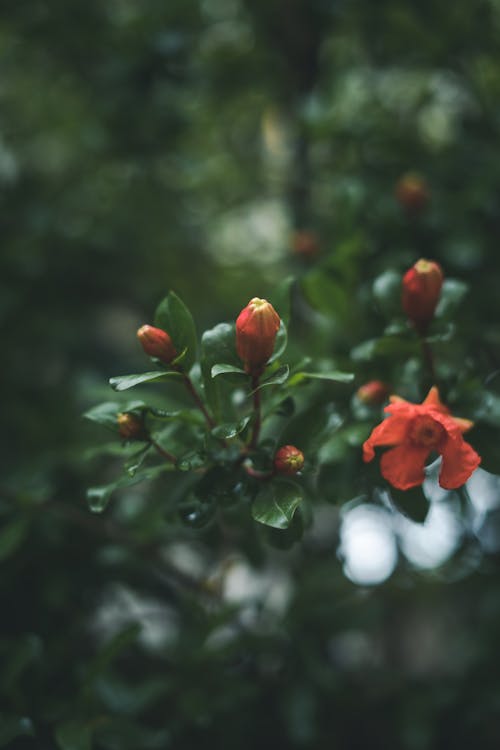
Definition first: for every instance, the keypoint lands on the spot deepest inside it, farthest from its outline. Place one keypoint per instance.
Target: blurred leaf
(104, 414)
(453, 293)
(335, 376)
(74, 735)
(387, 292)
(281, 342)
(281, 298)
(14, 726)
(98, 497)
(412, 503)
(11, 536)
(173, 316)
(390, 346)
(276, 503)
(230, 430)
(113, 648)
(123, 382)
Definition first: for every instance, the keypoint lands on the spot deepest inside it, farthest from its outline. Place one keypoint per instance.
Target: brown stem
(428, 358)
(169, 456)
(199, 403)
(258, 474)
(257, 416)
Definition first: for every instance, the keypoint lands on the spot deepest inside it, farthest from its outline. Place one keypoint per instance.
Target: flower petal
(459, 461)
(390, 431)
(433, 400)
(403, 466)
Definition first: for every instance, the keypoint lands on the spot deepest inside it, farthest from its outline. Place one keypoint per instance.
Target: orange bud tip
(288, 460)
(412, 193)
(373, 393)
(157, 343)
(305, 244)
(131, 427)
(421, 289)
(256, 328)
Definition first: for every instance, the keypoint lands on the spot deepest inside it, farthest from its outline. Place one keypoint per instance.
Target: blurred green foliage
(177, 145)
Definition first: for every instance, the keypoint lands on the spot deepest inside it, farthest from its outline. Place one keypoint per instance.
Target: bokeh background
(153, 145)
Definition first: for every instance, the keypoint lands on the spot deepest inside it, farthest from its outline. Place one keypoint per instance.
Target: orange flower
(421, 289)
(157, 343)
(413, 431)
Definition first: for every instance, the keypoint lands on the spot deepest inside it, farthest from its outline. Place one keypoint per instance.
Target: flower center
(426, 432)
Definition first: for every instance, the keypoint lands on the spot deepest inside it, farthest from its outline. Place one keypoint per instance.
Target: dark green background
(154, 145)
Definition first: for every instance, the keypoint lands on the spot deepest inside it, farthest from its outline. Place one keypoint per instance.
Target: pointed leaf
(334, 375)
(173, 316)
(224, 369)
(411, 503)
(123, 382)
(276, 503)
(281, 342)
(277, 378)
(230, 430)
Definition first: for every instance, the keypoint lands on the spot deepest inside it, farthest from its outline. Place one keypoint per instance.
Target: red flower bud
(256, 329)
(305, 244)
(421, 290)
(373, 393)
(412, 193)
(131, 427)
(288, 460)
(157, 343)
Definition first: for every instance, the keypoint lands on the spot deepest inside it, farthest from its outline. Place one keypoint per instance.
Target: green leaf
(335, 375)
(14, 726)
(189, 416)
(11, 536)
(277, 378)
(276, 504)
(173, 316)
(98, 497)
(73, 735)
(230, 429)
(452, 296)
(104, 414)
(280, 298)
(387, 292)
(123, 382)
(389, 346)
(281, 342)
(223, 369)
(218, 345)
(411, 503)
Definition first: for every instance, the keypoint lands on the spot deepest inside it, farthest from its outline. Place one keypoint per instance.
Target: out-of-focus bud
(256, 329)
(305, 244)
(288, 460)
(412, 192)
(131, 427)
(421, 290)
(373, 393)
(157, 343)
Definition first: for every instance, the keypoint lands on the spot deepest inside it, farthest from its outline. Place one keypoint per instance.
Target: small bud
(421, 290)
(157, 343)
(131, 427)
(288, 460)
(305, 244)
(412, 193)
(256, 329)
(373, 393)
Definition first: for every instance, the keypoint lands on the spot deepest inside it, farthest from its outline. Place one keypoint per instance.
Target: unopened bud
(288, 460)
(421, 290)
(157, 343)
(373, 393)
(131, 427)
(256, 329)
(412, 193)
(305, 244)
